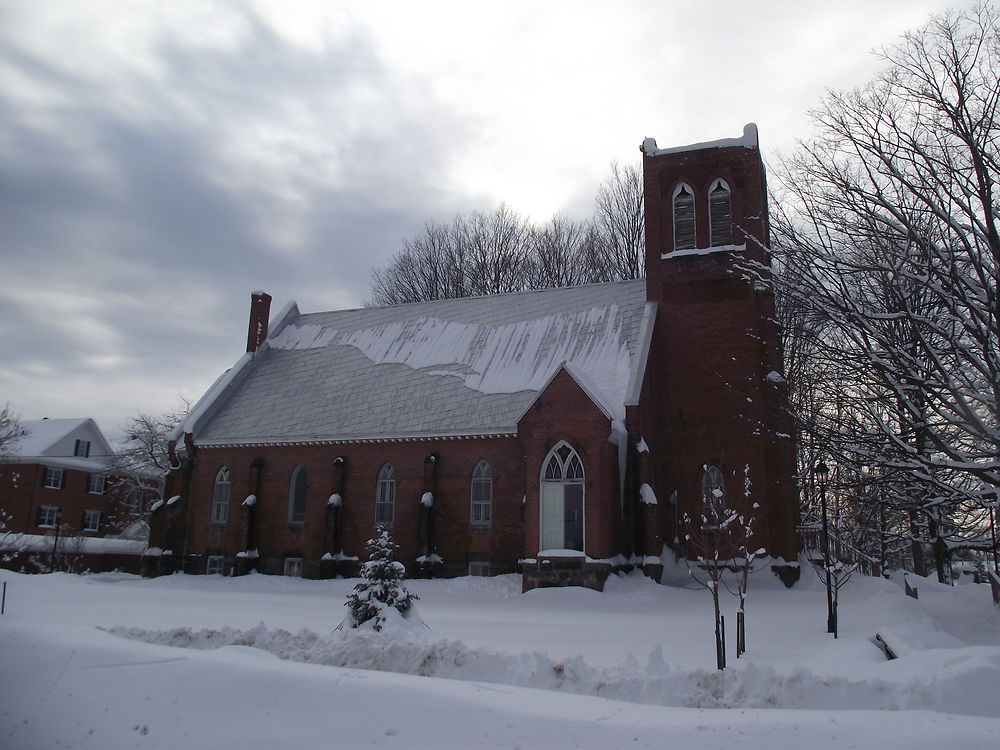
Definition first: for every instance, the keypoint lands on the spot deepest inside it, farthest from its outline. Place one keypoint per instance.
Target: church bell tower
(719, 412)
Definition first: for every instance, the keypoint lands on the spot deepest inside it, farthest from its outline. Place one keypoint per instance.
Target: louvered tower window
(720, 214)
(683, 218)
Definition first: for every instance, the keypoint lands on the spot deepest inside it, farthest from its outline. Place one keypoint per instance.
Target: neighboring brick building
(56, 489)
(560, 433)
(57, 474)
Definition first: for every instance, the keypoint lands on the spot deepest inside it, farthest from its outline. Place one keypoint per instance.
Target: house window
(562, 490)
(91, 520)
(48, 516)
(479, 568)
(95, 484)
(683, 218)
(220, 496)
(482, 495)
(53, 478)
(215, 565)
(82, 448)
(713, 495)
(720, 214)
(297, 495)
(385, 496)
(293, 567)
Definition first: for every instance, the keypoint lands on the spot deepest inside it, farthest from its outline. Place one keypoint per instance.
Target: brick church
(560, 433)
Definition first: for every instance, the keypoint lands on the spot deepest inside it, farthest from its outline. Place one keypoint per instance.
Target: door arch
(561, 500)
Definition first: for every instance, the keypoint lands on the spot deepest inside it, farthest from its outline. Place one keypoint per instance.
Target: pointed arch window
(720, 214)
(562, 492)
(385, 496)
(683, 204)
(297, 495)
(713, 494)
(481, 500)
(220, 496)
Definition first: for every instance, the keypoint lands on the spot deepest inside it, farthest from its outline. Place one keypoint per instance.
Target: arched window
(385, 496)
(720, 214)
(561, 503)
(481, 512)
(683, 218)
(297, 495)
(713, 495)
(220, 496)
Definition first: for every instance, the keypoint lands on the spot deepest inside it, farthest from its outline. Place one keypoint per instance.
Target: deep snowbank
(963, 680)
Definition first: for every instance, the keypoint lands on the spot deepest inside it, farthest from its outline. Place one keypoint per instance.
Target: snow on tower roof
(444, 368)
(747, 140)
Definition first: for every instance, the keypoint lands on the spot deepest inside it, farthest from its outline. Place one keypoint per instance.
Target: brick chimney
(260, 309)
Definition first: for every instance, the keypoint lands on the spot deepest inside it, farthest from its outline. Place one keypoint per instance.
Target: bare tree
(498, 252)
(620, 217)
(567, 253)
(887, 233)
(11, 430)
(141, 463)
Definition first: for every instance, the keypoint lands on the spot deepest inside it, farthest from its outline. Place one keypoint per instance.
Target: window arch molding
(481, 495)
(385, 496)
(221, 490)
(562, 483)
(297, 484)
(682, 206)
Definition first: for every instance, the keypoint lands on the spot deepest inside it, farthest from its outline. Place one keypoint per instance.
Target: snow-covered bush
(382, 588)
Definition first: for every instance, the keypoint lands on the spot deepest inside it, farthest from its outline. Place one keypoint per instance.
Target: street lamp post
(822, 474)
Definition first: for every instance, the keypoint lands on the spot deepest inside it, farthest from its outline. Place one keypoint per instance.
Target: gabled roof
(430, 369)
(52, 441)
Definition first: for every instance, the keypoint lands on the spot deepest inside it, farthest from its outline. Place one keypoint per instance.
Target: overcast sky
(159, 161)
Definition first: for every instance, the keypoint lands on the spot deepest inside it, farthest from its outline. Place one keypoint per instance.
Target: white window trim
(480, 480)
(293, 567)
(46, 512)
(221, 490)
(87, 516)
(95, 479)
(215, 564)
(53, 473)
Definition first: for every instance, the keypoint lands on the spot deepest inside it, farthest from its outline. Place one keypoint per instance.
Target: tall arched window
(385, 496)
(220, 496)
(720, 214)
(562, 500)
(481, 512)
(713, 494)
(297, 495)
(683, 201)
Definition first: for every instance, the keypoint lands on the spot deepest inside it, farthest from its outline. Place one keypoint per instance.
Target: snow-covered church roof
(445, 368)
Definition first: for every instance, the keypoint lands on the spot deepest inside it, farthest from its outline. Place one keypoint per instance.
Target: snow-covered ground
(116, 661)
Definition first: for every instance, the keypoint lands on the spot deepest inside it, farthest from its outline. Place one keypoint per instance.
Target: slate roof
(446, 368)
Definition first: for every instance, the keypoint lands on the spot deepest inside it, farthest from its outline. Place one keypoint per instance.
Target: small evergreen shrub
(382, 585)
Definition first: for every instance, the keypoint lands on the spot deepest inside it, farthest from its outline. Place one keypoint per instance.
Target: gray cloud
(138, 217)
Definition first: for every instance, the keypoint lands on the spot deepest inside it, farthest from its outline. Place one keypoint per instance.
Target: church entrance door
(562, 495)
